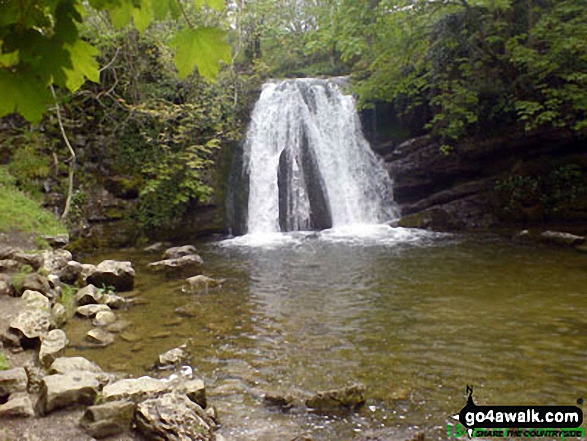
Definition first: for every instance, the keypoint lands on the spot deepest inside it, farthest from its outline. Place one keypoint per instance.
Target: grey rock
(19, 405)
(560, 238)
(57, 241)
(118, 274)
(108, 419)
(9, 339)
(283, 401)
(36, 282)
(71, 272)
(52, 347)
(89, 311)
(55, 261)
(201, 283)
(89, 295)
(173, 417)
(59, 315)
(155, 248)
(100, 337)
(31, 323)
(177, 252)
(173, 358)
(6, 288)
(195, 390)
(65, 365)
(35, 300)
(185, 264)
(104, 318)
(9, 266)
(114, 301)
(351, 397)
(35, 261)
(135, 389)
(13, 381)
(65, 390)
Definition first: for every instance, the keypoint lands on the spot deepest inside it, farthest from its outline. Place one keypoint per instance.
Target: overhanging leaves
(203, 48)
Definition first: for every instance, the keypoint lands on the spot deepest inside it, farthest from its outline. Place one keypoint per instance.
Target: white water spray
(308, 163)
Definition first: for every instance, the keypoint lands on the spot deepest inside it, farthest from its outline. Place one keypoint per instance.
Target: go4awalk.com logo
(516, 421)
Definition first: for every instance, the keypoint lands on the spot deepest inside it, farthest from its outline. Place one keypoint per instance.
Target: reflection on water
(414, 317)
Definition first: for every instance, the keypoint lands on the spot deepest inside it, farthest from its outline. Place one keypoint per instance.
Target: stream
(414, 316)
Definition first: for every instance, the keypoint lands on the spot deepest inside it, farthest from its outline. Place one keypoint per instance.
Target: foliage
(553, 191)
(41, 45)
(18, 212)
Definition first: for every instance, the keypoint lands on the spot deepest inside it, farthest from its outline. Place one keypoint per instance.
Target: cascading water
(308, 163)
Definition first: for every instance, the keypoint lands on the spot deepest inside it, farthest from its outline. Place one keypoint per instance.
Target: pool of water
(413, 316)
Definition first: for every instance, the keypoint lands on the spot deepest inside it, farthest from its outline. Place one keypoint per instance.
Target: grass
(18, 212)
(3, 362)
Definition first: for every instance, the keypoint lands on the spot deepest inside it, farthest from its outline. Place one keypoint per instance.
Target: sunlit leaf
(83, 60)
(203, 48)
(217, 5)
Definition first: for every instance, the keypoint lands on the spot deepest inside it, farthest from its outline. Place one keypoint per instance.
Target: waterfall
(309, 166)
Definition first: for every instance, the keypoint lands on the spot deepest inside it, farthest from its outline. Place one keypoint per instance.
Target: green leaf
(202, 47)
(83, 59)
(9, 59)
(24, 93)
(122, 14)
(144, 15)
(217, 5)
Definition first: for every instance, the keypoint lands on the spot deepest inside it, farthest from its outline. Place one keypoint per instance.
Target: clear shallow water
(414, 317)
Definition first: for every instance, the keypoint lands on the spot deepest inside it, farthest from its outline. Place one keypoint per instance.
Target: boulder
(6, 287)
(349, 398)
(36, 282)
(173, 417)
(12, 381)
(173, 358)
(104, 318)
(100, 337)
(135, 389)
(119, 275)
(9, 266)
(31, 324)
(108, 419)
(71, 272)
(56, 261)
(52, 347)
(195, 390)
(9, 339)
(89, 295)
(560, 238)
(65, 365)
(177, 252)
(114, 301)
(19, 405)
(65, 390)
(59, 315)
(279, 400)
(89, 311)
(201, 283)
(34, 299)
(57, 241)
(35, 261)
(182, 265)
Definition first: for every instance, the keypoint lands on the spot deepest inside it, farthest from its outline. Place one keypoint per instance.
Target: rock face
(173, 417)
(90, 311)
(65, 365)
(52, 347)
(108, 419)
(104, 318)
(461, 190)
(32, 325)
(64, 390)
(36, 282)
(119, 275)
(351, 397)
(182, 265)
